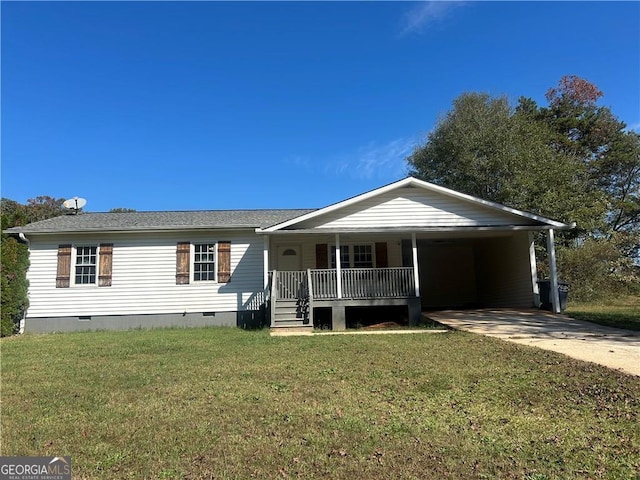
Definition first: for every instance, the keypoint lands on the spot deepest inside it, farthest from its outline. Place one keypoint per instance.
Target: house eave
(409, 229)
(169, 229)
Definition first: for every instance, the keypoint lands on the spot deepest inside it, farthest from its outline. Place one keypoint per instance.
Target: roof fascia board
(486, 228)
(130, 230)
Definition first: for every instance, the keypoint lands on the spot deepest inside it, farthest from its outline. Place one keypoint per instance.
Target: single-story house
(409, 244)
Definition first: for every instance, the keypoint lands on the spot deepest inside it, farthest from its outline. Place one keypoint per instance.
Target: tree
(13, 268)
(43, 207)
(486, 148)
(14, 256)
(13, 213)
(621, 179)
(571, 160)
(121, 210)
(610, 154)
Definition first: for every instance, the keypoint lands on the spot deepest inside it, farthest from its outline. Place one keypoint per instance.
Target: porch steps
(288, 322)
(285, 331)
(288, 314)
(289, 309)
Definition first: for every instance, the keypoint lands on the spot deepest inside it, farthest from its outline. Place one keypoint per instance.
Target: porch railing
(360, 283)
(324, 284)
(357, 283)
(291, 285)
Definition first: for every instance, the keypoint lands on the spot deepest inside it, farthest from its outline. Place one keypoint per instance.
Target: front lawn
(620, 313)
(230, 404)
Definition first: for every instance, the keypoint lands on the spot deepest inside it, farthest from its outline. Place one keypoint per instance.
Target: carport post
(338, 267)
(534, 270)
(416, 275)
(265, 260)
(553, 272)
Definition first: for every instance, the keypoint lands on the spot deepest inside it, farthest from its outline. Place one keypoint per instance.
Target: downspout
(24, 315)
(265, 260)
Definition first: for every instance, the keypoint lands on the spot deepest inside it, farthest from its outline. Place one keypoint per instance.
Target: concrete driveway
(612, 347)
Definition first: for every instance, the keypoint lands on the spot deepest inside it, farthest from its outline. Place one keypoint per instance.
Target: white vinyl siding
(412, 207)
(143, 278)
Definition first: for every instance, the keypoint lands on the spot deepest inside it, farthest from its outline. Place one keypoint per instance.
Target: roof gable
(414, 203)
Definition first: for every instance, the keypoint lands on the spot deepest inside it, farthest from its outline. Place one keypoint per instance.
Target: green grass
(620, 313)
(231, 404)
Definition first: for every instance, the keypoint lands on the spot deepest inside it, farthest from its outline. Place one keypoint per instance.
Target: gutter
(447, 229)
(24, 239)
(135, 230)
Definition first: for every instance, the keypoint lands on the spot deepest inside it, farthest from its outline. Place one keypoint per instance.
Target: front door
(289, 258)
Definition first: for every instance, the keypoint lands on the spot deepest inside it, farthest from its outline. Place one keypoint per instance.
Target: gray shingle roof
(131, 221)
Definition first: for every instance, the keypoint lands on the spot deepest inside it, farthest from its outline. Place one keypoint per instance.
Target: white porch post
(338, 267)
(534, 271)
(416, 275)
(551, 253)
(265, 256)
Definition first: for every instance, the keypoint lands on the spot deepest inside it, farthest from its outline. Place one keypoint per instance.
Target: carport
(478, 270)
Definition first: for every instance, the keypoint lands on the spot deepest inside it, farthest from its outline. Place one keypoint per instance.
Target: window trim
(350, 245)
(74, 266)
(192, 261)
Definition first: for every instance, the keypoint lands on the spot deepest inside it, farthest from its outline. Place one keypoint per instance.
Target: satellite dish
(75, 203)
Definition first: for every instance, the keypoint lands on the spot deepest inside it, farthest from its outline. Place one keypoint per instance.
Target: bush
(600, 268)
(15, 261)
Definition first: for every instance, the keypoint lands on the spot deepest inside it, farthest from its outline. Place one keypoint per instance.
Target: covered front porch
(410, 271)
(294, 296)
(409, 243)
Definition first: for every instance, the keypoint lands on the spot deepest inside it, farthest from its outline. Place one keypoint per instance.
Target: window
(86, 265)
(353, 256)
(204, 262)
(344, 256)
(362, 256)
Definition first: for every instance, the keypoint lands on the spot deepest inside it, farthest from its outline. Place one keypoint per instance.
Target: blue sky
(223, 105)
